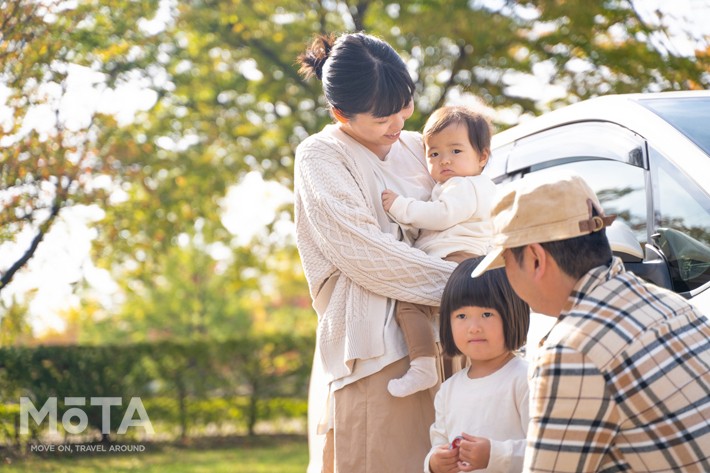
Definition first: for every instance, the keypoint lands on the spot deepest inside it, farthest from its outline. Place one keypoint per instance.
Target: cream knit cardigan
(354, 264)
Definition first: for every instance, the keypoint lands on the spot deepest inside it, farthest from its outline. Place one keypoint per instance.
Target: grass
(258, 455)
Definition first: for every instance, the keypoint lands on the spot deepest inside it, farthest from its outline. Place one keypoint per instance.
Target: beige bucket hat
(550, 206)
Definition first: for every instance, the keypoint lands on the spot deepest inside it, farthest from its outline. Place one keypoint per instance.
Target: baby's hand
(388, 198)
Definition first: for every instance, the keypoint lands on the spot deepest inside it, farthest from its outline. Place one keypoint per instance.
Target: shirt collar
(588, 283)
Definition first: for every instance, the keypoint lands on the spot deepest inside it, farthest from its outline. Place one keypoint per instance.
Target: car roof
(627, 111)
(622, 109)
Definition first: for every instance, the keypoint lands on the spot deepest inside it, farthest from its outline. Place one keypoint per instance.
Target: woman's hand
(474, 453)
(444, 460)
(388, 198)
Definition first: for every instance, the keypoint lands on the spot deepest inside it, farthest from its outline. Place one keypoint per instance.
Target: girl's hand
(444, 460)
(388, 198)
(474, 453)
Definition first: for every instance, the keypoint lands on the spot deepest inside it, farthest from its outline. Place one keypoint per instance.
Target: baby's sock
(421, 375)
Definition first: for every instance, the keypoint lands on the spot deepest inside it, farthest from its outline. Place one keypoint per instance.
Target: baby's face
(450, 153)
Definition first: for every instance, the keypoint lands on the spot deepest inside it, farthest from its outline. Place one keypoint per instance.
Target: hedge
(181, 386)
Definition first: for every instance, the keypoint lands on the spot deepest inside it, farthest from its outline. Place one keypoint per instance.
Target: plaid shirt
(622, 382)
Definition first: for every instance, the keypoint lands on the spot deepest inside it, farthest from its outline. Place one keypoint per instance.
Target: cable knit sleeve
(342, 228)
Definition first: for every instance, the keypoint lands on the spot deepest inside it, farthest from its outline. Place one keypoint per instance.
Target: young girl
(481, 411)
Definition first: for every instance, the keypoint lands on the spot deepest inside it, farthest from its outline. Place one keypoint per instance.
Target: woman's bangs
(391, 95)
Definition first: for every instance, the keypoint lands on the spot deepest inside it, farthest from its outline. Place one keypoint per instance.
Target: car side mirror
(623, 242)
(650, 264)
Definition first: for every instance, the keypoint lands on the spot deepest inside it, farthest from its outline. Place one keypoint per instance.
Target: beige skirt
(374, 432)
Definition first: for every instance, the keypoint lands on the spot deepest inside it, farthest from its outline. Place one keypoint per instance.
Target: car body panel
(623, 110)
(618, 132)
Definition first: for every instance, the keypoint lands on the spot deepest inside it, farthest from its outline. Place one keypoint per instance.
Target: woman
(356, 262)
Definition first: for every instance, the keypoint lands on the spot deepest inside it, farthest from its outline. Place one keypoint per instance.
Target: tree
(197, 297)
(228, 99)
(232, 102)
(52, 156)
(14, 329)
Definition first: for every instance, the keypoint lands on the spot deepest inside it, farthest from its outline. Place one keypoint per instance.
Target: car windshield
(690, 115)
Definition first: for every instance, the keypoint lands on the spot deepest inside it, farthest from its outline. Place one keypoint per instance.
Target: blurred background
(146, 162)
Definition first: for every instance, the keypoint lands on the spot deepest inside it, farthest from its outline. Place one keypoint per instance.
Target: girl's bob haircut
(491, 290)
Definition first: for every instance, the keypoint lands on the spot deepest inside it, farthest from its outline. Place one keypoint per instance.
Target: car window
(575, 141)
(620, 187)
(690, 115)
(682, 226)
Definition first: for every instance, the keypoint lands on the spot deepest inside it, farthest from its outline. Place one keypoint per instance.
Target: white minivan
(647, 156)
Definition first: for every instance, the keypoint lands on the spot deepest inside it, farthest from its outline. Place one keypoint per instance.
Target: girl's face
(450, 153)
(377, 134)
(478, 334)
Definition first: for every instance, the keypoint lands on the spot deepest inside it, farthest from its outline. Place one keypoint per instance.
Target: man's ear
(539, 260)
(339, 115)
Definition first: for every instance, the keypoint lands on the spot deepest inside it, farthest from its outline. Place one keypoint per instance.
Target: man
(622, 381)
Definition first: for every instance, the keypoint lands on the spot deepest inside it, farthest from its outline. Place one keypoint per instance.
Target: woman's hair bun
(314, 58)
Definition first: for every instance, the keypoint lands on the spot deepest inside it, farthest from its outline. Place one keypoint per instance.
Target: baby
(454, 224)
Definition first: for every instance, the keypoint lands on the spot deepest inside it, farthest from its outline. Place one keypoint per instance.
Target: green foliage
(49, 156)
(14, 329)
(183, 386)
(615, 42)
(43, 372)
(216, 413)
(194, 298)
(228, 100)
(200, 298)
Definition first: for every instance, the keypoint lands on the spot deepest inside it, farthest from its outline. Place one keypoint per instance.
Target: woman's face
(377, 134)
